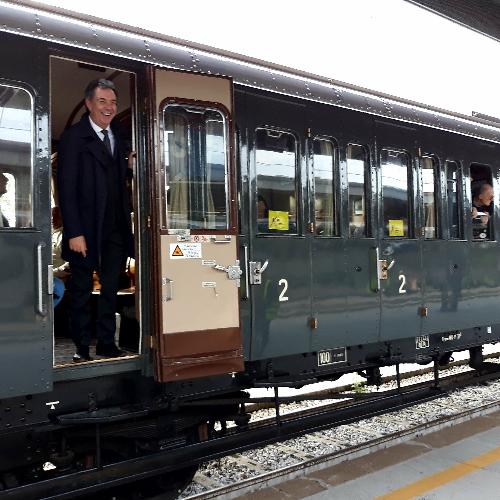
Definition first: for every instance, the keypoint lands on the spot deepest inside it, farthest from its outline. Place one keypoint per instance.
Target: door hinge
(308, 132)
(152, 342)
(311, 227)
(148, 221)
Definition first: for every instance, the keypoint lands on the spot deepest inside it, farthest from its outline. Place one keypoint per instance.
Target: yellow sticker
(396, 227)
(278, 220)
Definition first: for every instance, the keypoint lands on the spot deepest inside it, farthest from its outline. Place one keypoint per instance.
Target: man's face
(102, 107)
(3, 184)
(486, 196)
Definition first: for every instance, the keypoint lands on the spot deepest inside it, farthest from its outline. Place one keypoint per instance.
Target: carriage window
(453, 191)
(275, 165)
(429, 182)
(324, 199)
(482, 202)
(16, 144)
(357, 172)
(196, 168)
(395, 173)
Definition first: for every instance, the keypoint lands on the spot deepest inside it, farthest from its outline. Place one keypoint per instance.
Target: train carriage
(288, 229)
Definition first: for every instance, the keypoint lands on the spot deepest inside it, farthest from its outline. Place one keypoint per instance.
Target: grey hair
(102, 83)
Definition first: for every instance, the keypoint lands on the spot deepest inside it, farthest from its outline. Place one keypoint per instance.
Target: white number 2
(402, 288)
(284, 283)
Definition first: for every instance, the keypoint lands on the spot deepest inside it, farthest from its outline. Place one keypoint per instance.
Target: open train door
(198, 277)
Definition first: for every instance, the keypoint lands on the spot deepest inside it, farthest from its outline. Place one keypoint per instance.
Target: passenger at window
(262, 214)
(482, 208)
(95, 210)
(3, 189)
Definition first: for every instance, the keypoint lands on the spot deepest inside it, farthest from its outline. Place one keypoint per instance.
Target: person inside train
(482, 208)
(3, 189)
(97, 234)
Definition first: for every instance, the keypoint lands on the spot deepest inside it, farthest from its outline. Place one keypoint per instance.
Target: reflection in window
(429, 176)
(394, 170)
(324, 202)
(453, 185)
(357, 170)
(16, 117)
(275, 165)
(196, 168)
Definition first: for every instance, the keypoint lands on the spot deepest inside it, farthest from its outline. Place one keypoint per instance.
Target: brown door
(199, 324)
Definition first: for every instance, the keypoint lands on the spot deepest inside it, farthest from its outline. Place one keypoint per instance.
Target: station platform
(458, 462)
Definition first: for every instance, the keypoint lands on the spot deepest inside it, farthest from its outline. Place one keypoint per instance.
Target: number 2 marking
(283, 297)
(402, 278)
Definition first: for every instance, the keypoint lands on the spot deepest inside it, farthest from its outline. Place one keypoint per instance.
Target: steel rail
(88, 482)
(276, 477)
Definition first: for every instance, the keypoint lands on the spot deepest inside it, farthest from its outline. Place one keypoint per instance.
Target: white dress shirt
(98, 129)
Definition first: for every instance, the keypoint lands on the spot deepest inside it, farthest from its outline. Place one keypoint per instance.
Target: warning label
(185, 250)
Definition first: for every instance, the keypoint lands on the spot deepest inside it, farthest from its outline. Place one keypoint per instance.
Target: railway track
(348, 436)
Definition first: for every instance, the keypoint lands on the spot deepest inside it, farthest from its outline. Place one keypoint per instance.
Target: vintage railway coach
(288, 229)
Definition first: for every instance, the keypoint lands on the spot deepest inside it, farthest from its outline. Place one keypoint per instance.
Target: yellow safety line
(445, 476)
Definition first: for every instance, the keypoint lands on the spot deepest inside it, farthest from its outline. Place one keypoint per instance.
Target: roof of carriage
(87, 32)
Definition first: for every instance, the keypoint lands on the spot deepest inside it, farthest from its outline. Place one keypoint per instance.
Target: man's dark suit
(94, 204)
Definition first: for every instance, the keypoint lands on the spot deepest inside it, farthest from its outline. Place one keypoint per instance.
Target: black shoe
(82, 354)
(108, 351)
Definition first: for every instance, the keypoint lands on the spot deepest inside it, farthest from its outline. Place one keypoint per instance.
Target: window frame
(231, 183)
(366, 188)
(460, 200)
(437, 195)
(491, 223)
(336, 192)
(17, 86)
(410, 195)
(297, 183)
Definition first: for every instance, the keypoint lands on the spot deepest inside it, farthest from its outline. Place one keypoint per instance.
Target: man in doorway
(3, 189)
(95, 210)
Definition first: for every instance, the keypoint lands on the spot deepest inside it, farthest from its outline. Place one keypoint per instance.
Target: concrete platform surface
(456, 463)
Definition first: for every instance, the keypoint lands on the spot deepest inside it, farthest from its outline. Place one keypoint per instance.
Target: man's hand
(78, 245)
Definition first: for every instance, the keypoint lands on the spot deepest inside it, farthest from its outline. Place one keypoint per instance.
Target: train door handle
(39, 277)
(256, 271)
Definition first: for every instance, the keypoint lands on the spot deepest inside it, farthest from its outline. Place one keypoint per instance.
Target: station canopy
(480, 15)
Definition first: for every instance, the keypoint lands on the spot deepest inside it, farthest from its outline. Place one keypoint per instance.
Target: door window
(324, 193)
(16, 153)
(395, 191)
(357, 172)
(275, 165)
(454, 200)
(196, 168)
(429, 183)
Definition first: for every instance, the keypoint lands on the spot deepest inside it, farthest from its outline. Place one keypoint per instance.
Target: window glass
(394, 171)
(16, 138)
(357, 172)
(482, 202)
(275, 164)
(196, 168)
(429, 182)
(324, 199)
(453, 185)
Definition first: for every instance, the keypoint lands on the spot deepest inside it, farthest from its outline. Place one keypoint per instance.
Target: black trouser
(112, 257)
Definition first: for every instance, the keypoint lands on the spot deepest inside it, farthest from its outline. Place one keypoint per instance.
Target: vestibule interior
(68, 81)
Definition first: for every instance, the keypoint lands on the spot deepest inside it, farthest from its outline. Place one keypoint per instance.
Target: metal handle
(170, 292)
(247, 279)
(227, 239)
(391, 265)
(377, 255)
(40, 308)
(263, 267)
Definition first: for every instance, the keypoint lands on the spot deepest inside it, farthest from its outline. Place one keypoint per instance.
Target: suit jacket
(81, 176)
